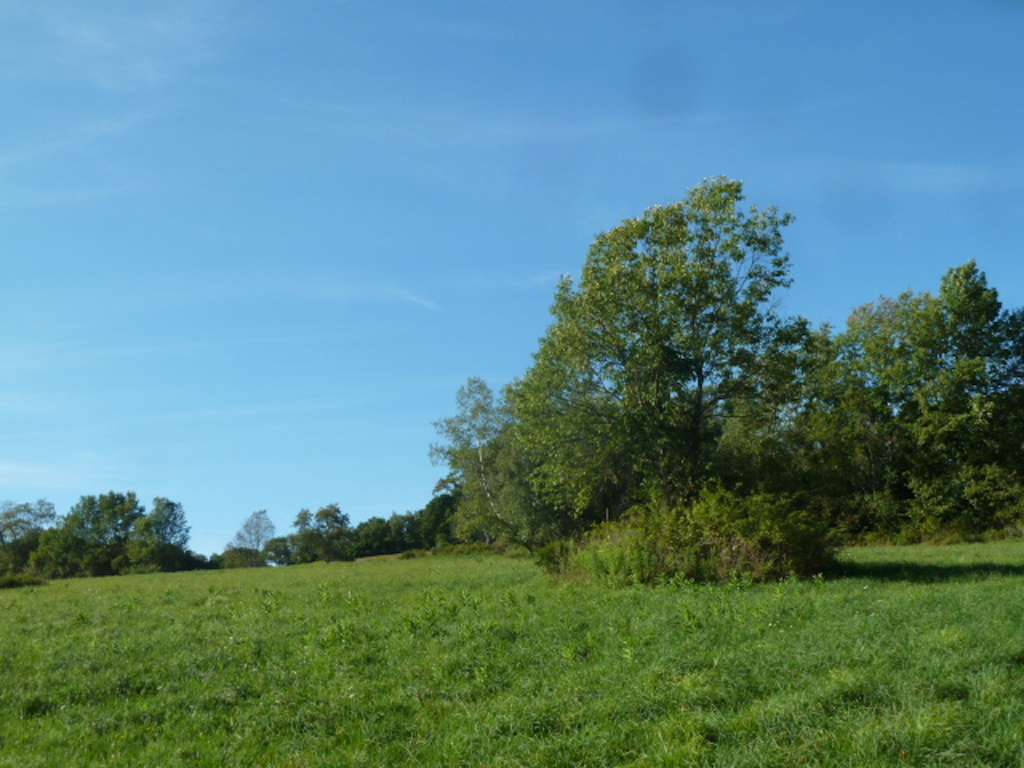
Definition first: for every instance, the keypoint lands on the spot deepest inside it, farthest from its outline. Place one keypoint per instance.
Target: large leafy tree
(917, 411)
(762, 446)
(21, 526)
(304, 540)
(470, 446)
(436, 519)
(374, 537)
(962, 475)
(490, 468)
(333, 534)
(666, 328)
(92, 540)
(246, 548)
(255, 532)
(159, 540)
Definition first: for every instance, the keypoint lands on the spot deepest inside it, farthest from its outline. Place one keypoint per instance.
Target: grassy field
(914, 657)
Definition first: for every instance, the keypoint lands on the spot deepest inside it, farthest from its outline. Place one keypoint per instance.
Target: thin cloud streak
(457, 128)
(80, 138)
(250, 411)
(84, 142)
(938, 178)
(540, 280)
(408, 296)
(137, 47)
(14, 197)
(351, 293)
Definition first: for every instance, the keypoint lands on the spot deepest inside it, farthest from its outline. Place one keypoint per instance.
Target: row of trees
(113, 534)
(102, 535)
(329, 535)
(669, 382)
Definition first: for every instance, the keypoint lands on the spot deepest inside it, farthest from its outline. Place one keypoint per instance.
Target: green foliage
(158, 541)
(436, 520)
(281, 550)
(491, 470)
(21, 526)
(470, 449)
(325, 536)
(666, 327)
(914, 417)
(720, 536)
(243, 557)
(402, 533)
(667, 374)
(970, 501)
(374, 537)
(98, 529)
(12, 580)
(111, 534)
(255, 532)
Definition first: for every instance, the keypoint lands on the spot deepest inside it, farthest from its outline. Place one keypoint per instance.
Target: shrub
(720, 536)
(243, 557)
(481, 548)
(20, 580)
(555, 556)
(966, 504)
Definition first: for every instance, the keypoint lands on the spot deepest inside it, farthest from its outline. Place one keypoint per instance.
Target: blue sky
(251, 250)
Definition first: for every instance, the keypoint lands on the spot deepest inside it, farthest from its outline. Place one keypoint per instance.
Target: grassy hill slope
(915, 657)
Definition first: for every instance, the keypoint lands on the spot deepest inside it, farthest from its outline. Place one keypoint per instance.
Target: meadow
(911, 656)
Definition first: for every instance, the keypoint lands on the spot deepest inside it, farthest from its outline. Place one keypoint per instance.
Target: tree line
(675, 422)
(102, 535)
(113, 533)
(328, 535)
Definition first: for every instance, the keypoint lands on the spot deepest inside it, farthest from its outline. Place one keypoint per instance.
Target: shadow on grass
(921, 572)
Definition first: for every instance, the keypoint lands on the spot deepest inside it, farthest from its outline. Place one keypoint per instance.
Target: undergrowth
(12, 580)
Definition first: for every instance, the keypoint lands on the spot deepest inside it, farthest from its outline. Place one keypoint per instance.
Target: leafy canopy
(666, 327)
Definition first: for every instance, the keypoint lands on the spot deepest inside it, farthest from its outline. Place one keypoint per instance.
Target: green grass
(914, 657)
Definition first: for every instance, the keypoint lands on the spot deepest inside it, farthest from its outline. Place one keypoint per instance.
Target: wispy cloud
(403, 294)
(80, 135)
(64, 150)
(539, 280)
(361, 292)
(23, 359)
(942, 178)
(121, 45)
(77, 145)
(251, 413)
(13, 196)
(935, 178)
(19, 358)
(456, 126)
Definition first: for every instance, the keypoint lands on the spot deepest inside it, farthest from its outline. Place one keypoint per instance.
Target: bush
(20, 580)
(967, 504)
(481, 548)
(412, 554)
(720, 536)
(242, 557)
(555, 557)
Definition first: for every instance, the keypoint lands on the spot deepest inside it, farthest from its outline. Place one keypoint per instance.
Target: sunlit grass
(915, 657)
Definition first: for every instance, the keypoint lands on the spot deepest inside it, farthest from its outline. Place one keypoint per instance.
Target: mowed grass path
(916, 657)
